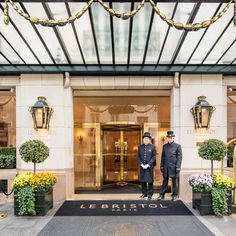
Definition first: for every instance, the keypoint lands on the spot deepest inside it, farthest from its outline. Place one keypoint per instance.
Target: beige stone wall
(59, 138)
(183, 98)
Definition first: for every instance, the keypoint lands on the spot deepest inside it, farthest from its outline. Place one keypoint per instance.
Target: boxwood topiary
(213, 150)
(34, 151)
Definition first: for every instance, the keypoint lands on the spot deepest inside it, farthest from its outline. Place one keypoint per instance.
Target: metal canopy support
(226, 51)
(5, 58)
(167, 33)
(12, 48)
(57, 33)
(184, 33)
(112, 36)
(200, 40)
(94, 34)
(217, 40)
(233, 61)
(148, 37)
(119, 70)
(22, 37)
(75, 33)
(130, 33)
(39, 35)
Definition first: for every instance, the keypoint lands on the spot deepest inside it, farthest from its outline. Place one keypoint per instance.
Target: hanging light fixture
(202, 112)
(41, 113)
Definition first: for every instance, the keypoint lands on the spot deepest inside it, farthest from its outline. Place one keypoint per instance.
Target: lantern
(41, 114)
(202, 112)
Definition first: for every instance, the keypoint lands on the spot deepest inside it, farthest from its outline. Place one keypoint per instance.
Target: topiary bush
(213, 150)
(34, 151)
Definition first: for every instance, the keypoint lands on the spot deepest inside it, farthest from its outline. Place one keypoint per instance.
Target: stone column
(59, 137)
(182, 99)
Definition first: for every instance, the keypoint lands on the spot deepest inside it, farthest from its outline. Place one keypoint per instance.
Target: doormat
(122, 207)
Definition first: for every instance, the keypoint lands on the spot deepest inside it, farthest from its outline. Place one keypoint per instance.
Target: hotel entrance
(120, 147)
(107, 133)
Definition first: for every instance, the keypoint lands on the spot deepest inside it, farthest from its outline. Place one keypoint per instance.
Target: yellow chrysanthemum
(38, 182)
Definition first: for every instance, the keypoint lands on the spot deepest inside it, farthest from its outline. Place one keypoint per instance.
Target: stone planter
(202, 202)
(43, 202)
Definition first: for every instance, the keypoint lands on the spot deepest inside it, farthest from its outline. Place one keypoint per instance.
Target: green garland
(219, 201)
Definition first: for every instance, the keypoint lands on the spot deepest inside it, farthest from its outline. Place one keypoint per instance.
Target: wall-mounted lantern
(202, 112)
(41, 114)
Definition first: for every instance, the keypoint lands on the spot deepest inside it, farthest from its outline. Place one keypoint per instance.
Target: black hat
(170, 134)
(147, 134)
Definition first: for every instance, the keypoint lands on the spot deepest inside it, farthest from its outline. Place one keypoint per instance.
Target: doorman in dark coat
(147, 160)
(171, 159)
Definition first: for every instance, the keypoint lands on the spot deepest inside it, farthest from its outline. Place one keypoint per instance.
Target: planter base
(43, 203)
(202, 202)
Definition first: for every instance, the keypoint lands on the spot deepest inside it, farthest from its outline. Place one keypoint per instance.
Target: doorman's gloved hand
(146, 166)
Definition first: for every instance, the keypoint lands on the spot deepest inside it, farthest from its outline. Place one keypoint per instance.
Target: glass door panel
(131, 141)
(120, 155)
(86, 150)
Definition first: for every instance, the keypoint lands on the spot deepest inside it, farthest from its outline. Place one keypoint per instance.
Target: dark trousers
(164, 186)
(147, 188)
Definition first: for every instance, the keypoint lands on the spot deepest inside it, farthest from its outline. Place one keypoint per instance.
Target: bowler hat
(170, 134)
(147, 134)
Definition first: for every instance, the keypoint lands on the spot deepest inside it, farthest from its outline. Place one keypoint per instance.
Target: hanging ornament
(5, 13)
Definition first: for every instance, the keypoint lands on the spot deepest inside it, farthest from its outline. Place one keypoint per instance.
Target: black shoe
(143, 196)
(174, 198)
(160, 197)
(149, 197)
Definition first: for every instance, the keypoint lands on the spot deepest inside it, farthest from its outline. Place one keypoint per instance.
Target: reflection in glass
(118, 109)
(139, 33)
(7, 119)
(182, 15)
(47, 34)
(210, 38)
(206, 11)
(84, 157)
(120, 155)
(121, 33)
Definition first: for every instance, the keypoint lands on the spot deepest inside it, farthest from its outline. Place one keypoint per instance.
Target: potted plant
(210, 195)
(213, 150)
(201, 192)
(221, 194)
(33, 192)
(34, 151)
(7, 157)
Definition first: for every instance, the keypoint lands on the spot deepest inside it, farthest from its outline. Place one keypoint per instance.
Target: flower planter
(43, 202)
(10, 166)
(202, 202)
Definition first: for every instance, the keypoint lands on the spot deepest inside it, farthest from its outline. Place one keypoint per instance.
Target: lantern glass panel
(39, 117)
(205, 117)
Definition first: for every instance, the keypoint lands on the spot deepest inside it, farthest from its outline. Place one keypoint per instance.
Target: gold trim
(112, 12)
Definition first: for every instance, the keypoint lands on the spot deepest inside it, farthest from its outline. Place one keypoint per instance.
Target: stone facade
(60, 138)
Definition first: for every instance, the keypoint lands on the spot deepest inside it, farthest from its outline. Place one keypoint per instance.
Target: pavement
(110, 226)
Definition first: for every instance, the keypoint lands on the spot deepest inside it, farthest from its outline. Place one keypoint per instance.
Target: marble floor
(30, 226)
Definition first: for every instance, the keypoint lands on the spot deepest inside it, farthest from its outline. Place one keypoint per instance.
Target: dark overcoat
(171, 159)
(146, 155)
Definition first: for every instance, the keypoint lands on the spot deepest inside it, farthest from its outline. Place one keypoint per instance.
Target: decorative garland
(123, 16)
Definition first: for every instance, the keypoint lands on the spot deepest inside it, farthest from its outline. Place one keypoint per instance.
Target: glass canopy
(98, 39)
